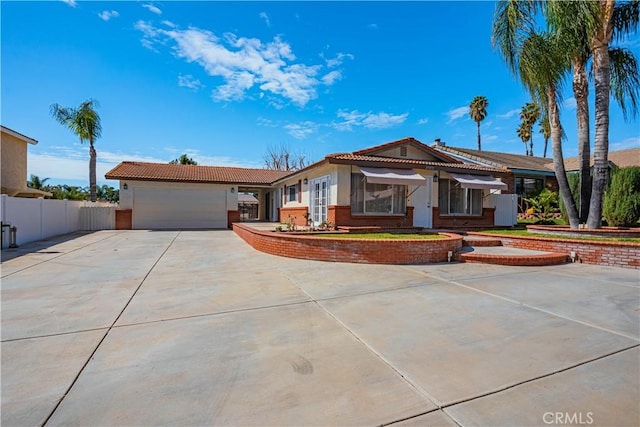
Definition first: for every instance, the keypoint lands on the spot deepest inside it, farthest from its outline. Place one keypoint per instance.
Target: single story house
(620, 158)
(400, 183)
(13, 159)
(529, 174)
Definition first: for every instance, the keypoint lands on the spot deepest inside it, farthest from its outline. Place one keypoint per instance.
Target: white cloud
(456, 113)
(242, 63)
(301, 130)
(338, 60)
(351, 119)
(108, 14)
(569, 103)
(373, 26)
(190, 82)
(265, 17)
(487, 138)
(153, 9)
(631, 142)
(169, 24)
(331, 77)
(71, 3)
(509, 114)
(423, 121)
(263, 121)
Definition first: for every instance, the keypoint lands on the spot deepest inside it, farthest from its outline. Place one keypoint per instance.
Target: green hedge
(621, 205)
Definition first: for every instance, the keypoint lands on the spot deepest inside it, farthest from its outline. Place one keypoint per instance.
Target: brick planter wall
(232, 216)
(370, 251)
(462, 221)
(341, 216)
(298, 213)
(615, 254)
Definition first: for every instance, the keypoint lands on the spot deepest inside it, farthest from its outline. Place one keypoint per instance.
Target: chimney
(438, 142)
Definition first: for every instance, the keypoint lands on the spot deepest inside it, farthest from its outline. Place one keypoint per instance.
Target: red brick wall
(462, 221)
(124, 219)
(297, 214)
(341, 216)
(615, 254)
(371, 251)
(232, 216)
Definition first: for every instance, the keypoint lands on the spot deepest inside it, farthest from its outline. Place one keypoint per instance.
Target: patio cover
(481, 182)
(393, 176)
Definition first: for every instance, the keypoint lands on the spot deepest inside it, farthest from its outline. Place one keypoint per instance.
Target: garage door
(179, 208)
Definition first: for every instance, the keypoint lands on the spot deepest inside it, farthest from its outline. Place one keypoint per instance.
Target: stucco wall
(14, 161)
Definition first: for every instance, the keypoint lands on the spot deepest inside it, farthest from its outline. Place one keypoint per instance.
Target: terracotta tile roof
(412, 162)
(621, 158)
(502, 160)
(191, 173)
(412, 141)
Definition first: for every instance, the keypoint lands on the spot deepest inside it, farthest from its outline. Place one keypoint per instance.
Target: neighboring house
(620, 158)
(529, 174)
(401, 183)
(13, 158)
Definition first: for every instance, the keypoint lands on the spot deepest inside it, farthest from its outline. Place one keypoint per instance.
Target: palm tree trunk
(602, 78)
(546, 143)
(92, 172)
(479, 146)
(581, 93)
(558, 160)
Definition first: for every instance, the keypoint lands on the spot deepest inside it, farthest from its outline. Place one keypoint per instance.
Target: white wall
(38, 219)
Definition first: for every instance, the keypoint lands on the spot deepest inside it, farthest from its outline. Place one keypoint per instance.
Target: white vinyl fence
(506, 212)
(38, 219)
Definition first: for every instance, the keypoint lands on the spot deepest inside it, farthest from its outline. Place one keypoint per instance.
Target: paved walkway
(185, 328)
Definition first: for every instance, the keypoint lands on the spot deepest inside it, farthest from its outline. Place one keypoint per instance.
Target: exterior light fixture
(125, 186)
(305, 181)
(435, 177)
(233, 190)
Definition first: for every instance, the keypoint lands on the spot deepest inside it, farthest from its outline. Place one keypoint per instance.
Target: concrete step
(510, 256)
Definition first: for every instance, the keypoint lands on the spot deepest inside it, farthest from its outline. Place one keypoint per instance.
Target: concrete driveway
(128, 328)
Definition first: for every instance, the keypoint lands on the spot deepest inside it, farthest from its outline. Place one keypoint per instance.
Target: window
(377, 199)
(291, 192)
(403, 151)
(455, 200)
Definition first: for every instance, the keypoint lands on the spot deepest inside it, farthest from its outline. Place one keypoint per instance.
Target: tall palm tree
(545, 130)
(541, 69)
(524, 133)
(84, 122)
(586, 28)
(529, 115)
(478, 112)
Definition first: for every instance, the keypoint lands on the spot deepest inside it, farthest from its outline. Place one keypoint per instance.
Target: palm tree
(84, 122)
(524, 133)
(183, 160)
(545, 130)
(478, 112)
(529, 115)
(36, 182)
(585, 27)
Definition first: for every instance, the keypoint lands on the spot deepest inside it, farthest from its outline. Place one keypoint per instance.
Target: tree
(545, 130)
(84, 122)
(529, 115)
(524, 133)
(281, 158)
(478, 112)
(581, 26)
(183, 160)
(36, 182)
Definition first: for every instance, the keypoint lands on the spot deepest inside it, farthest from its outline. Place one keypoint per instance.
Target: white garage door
(155, 208)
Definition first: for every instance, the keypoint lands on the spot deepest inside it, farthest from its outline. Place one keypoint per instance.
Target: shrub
(621, 205)
(544, 205)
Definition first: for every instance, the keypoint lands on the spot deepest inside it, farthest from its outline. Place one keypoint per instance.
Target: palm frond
(625, 82)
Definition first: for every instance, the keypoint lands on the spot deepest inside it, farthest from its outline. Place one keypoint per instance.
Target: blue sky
(224, 81)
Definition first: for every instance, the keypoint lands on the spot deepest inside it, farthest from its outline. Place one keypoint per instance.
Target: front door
(319, 199)
(422, 210)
